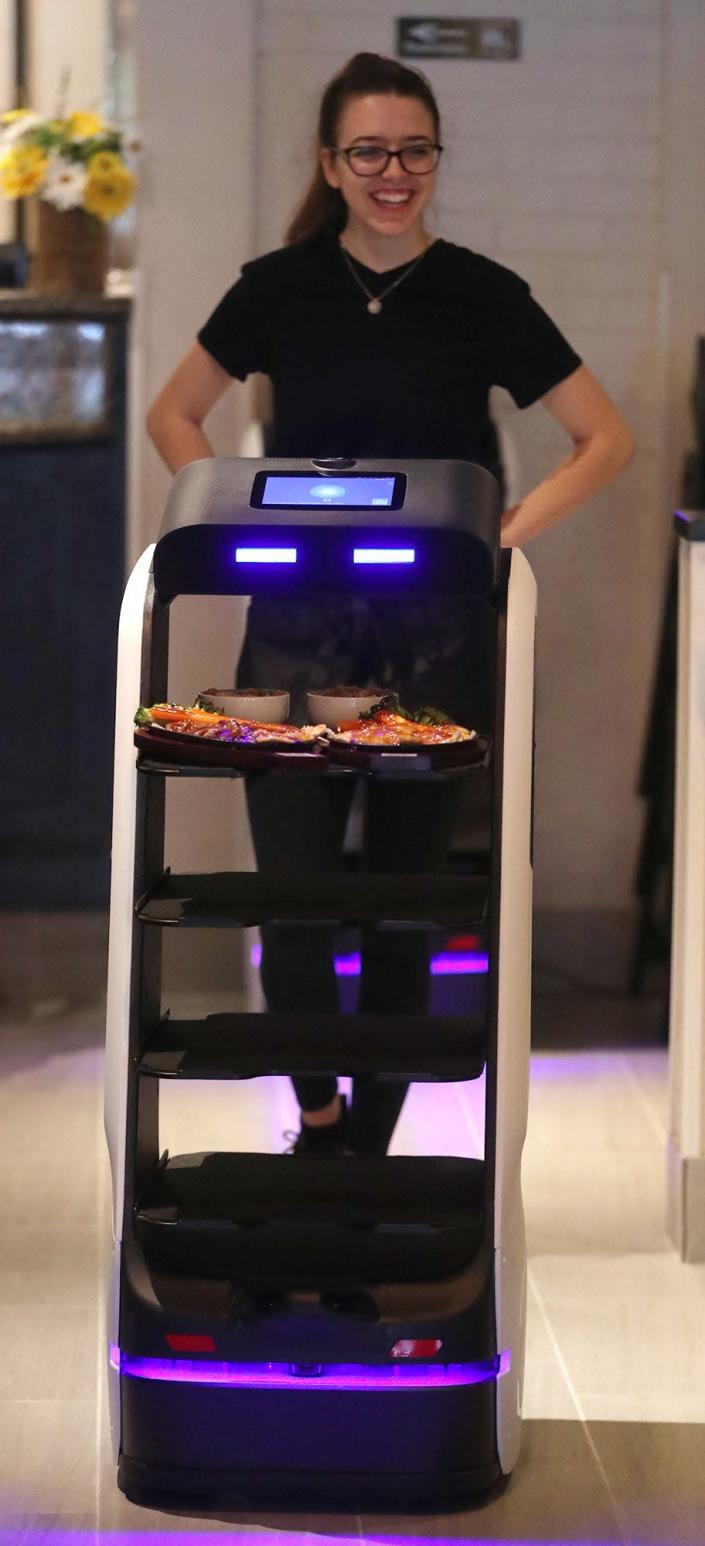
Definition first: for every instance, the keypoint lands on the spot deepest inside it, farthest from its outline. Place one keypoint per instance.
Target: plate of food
(173, 733)
(387, 729)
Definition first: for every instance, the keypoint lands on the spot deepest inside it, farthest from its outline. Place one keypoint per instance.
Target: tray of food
(417, 740)
(169, 732)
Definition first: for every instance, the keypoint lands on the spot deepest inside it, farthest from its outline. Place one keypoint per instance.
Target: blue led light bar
(283, 1376)
(384, 555)
(265, 555)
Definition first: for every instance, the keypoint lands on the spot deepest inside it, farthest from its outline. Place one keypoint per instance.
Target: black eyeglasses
(372, 160)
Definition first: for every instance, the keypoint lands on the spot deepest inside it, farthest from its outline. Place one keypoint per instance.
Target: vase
(69, 251)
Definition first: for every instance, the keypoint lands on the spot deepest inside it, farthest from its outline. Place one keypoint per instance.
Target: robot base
(384, 1449)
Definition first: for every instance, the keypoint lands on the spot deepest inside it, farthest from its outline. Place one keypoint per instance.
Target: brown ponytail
(322, 208)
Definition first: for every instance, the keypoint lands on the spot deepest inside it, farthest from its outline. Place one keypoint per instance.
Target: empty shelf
(243, 1046)
(276, 1220)
(225, 899)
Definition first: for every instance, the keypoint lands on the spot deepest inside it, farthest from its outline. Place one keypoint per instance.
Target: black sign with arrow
(458, 37)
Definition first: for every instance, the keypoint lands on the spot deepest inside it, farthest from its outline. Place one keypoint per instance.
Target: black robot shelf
(247, 1046)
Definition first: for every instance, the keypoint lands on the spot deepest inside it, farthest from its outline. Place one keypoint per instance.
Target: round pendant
(374, 307)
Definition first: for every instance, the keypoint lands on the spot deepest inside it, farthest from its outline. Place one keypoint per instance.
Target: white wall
(67, 35)
(195, 83)
(563, 166)
(194, 106)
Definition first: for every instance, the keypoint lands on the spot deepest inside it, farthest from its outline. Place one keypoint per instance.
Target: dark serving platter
(174, 746)
(457, 754)
(191, 750)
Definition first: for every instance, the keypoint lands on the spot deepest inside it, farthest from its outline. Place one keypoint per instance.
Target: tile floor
(614, 1441)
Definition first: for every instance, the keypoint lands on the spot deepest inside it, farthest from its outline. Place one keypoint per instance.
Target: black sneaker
(321, 1140)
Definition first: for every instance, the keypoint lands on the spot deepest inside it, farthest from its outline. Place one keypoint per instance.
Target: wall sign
(458, 37)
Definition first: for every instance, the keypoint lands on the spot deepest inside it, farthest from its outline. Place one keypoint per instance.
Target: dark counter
(62, 510)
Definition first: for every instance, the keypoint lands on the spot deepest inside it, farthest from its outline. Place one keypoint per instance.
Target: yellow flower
(108, 191)
(22, 171)
(105, 163)
(82, 126)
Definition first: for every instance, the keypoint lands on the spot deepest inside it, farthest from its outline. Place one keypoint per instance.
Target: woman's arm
(176, 415)
(603, 445)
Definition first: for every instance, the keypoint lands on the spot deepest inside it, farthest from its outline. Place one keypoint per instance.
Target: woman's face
(390, 203)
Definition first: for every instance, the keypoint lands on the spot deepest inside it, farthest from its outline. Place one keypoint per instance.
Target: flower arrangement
(76, 162)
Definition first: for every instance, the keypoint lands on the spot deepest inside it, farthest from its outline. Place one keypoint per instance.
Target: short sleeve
(529, 355)
(235, 334)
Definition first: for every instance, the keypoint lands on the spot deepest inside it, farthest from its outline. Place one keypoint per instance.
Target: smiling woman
(384, 168)
(381, 341)
(377, 119)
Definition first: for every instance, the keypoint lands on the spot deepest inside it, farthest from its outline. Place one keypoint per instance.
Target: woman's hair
(322, 208)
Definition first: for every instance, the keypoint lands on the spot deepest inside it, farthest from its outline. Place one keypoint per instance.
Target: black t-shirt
(411, 381)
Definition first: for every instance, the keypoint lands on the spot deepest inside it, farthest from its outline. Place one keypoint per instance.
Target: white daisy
(64, 183)
(17, 126)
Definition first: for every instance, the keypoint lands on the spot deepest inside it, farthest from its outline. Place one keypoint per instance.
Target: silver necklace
(374, 302)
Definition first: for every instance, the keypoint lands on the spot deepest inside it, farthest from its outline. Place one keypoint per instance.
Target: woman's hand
(176, 415)
(603, 446)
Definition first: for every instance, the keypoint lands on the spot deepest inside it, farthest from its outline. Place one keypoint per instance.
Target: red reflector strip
(182, 1342)
(424, 1348)
(463, 942)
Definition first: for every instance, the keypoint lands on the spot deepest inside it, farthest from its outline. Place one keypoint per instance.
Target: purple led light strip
(465, 963)
(265, 555)
(278, 1376)
(384, 555)
(469, 963)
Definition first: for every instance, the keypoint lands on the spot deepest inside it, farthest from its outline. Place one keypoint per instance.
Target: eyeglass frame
(336, 150)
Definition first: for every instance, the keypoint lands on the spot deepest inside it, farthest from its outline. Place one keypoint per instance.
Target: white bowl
(332, 708)
(269, 705)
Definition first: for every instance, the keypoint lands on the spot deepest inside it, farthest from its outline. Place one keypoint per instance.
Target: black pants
(298, 824)
(428, 654)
